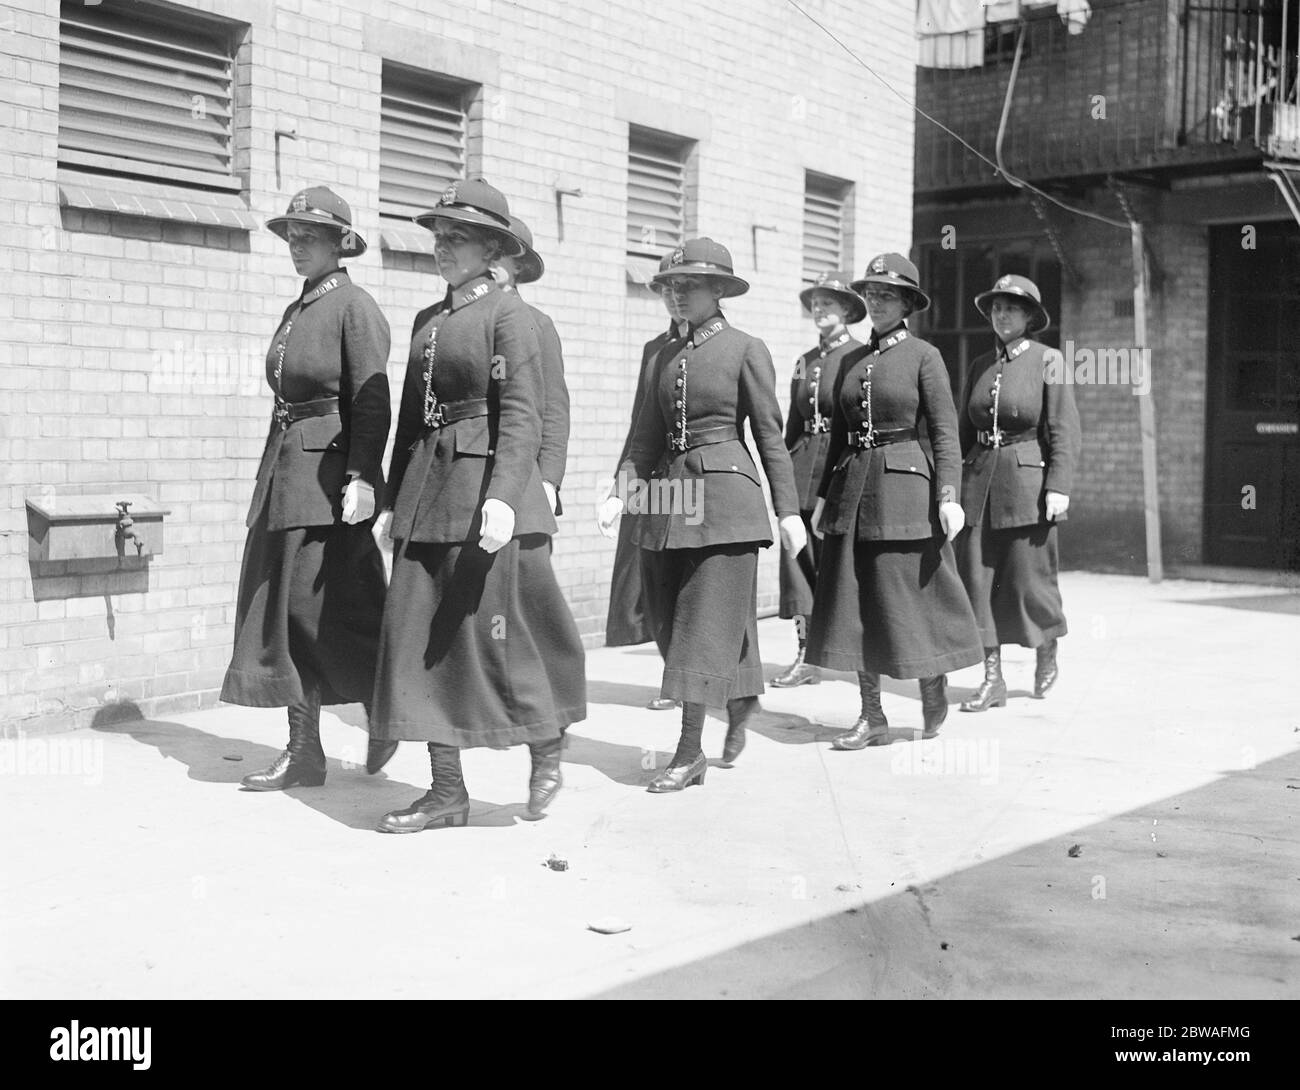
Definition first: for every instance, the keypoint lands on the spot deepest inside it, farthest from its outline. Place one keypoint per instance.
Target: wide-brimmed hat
(1019, 289)
(838, 284)
(529, 264)
(322, 206)
(475, 202)
(894, 270)
(702, 257)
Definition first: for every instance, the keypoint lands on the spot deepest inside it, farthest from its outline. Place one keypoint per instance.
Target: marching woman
(478, 647)
(1021, 437)
(625, 621)
(699, 512)
(889, 599)
(311, 589)
(834, 306)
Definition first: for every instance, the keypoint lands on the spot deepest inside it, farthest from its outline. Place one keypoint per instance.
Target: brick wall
(133, 348)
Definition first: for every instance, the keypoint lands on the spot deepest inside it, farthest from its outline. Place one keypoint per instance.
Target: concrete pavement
(1134, 835)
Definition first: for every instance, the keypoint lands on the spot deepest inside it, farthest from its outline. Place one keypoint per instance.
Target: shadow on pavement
(1188, 897)
(348, 796)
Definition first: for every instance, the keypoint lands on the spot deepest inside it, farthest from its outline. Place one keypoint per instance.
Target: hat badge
(678, 257)
(878, 266)
(449, 194)
(824, 278)
(299, 202)
(1005, 282)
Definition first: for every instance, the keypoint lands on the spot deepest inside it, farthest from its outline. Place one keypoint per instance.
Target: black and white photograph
(789, 499)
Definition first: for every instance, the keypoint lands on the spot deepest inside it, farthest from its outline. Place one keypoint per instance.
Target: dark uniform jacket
(891, 492)
(337, 346)
(808, 425)
(555, 414)
(485, 348)
(1009, 484)
(649, 353)
(730, 379)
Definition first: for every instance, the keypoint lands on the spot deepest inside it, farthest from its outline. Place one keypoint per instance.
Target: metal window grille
(656, 192)
(422, 129)
(823, 225)
(146, 92)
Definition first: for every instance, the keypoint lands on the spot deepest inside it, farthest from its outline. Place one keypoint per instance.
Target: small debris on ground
(609, 925)
(232, 757)
(847, 887)
(1074, 851)
(556, 863)
(943, 946)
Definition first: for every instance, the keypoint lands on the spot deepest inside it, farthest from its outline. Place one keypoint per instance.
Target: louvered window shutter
(421, 141)
(656, 193)
(823, 226)
(147, 94)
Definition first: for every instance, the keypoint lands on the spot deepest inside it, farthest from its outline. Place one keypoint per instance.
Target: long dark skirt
(1010, 576)
(702, 605)
(891, 607)
(626, 622)
(308, 616)
(477, 649)
(798, 574)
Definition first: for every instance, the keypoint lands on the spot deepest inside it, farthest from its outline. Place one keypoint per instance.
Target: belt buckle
(867, 437)
(819, 426)
(435, 419)
(281, 414)
(995, 437)
(677, 444)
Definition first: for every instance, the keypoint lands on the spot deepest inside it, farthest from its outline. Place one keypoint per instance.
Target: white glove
(794, 538)
(552, 496)
(1057, 504)
(498, 522)
(358, 501)
(608, 514)
(383, 528)
(817, 518)
(952, 518)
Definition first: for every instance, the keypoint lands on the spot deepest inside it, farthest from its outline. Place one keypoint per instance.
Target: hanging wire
(1019, 183)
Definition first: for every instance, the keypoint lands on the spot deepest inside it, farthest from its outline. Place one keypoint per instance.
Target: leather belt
(881, 437)
(813, 427)
(1005, 438)
(702, 437)
(287, 412)
(448, 412)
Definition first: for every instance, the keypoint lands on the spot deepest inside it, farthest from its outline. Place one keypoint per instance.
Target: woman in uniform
(889, 599)
(478, 646)
(700, 515)
(625, 621)
(311, 590)
(1020, 436)
(834, 306)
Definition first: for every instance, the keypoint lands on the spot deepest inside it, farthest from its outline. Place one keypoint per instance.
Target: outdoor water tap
(126, 529)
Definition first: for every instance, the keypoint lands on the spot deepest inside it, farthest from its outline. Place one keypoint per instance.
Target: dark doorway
(1252, 470)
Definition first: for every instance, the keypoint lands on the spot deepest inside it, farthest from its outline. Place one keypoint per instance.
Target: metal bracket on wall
(561, 191)
(1068, 267)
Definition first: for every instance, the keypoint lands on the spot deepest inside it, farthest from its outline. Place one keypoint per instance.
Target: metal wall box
(66, 528)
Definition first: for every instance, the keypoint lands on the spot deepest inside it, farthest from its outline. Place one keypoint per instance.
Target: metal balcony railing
(1143, 85)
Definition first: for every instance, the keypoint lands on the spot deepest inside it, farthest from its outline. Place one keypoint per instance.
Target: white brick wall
(133, 349)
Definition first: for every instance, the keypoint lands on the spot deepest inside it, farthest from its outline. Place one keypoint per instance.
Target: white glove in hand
(1057, 504)
(952, 518)
(552, 496)
(606, 518)
(358, 501)
(817, 518)
(498, 524)
(794, 537)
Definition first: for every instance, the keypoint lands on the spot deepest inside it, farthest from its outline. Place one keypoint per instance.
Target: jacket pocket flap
(1030, 456)
(907, 461)
(725, 458)
(321, 433)
(471, 437)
